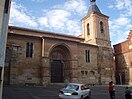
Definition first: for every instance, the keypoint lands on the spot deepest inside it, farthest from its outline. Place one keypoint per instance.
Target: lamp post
(4, 15)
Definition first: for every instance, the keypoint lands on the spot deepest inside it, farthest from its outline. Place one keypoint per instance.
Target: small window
(101, 27)
(29, 50)
(7, 56)
(16, 48)
(87, 56)
(82, 72)
(88, 29)
(86, 72)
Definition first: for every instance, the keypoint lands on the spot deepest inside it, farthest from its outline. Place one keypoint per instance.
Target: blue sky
(64, 16)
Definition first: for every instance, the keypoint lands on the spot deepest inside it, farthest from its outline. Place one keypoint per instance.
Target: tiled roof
(93, 8)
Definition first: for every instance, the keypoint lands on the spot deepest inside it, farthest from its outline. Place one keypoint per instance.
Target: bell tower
(95, 31)
(95, 26)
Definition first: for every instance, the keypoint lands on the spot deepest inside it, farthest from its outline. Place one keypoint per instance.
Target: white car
(74, 91)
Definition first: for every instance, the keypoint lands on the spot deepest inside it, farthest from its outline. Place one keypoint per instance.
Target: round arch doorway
(60, 64)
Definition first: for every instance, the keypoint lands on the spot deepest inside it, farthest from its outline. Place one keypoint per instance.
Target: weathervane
(92, 0)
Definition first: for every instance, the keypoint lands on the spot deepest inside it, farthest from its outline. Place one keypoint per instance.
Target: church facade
(41, 57)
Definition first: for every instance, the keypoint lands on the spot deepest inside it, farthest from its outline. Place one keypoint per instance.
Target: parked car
(74, 91)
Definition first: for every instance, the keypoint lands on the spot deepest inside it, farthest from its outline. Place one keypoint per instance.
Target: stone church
(41, 57)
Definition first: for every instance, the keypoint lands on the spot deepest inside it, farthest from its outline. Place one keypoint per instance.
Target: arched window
(88, 29)
(29, 49)
(101, 27)
(87, 56)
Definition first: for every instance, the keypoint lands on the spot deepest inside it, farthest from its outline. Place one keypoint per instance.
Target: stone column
(45, 66)
(130, 75)
(45, 71)
(74, 71)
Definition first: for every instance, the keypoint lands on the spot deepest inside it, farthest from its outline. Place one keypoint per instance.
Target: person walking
(127, 93)
(111, 90)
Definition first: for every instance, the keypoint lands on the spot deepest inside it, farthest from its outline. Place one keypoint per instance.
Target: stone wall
(24, 69)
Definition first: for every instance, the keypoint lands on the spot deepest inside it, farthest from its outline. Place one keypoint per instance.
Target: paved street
(51, 92)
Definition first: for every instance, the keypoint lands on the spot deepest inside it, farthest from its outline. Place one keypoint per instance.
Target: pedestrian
(127, 93)
(111, 90)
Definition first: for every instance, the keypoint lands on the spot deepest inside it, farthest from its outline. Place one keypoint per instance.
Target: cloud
(19, 16)
(54, 19)
(43, 21)
(38, 0)
(74, 27)
(122, 36)
(60, 20)
(125, 6)
(121, 21)
(119, 29)
(60, 17)
(76, 6)
(120, 26)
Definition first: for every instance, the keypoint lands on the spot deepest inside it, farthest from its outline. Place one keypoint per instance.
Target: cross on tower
(92, 0)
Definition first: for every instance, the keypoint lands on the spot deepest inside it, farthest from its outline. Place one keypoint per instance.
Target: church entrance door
(60, 64)
(56, 71)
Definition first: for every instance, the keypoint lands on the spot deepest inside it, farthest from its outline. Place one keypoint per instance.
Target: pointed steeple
(93, 7)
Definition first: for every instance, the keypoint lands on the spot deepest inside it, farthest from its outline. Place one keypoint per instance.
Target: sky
(64, 16)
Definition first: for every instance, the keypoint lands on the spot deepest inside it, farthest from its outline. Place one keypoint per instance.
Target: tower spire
(93, 7)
